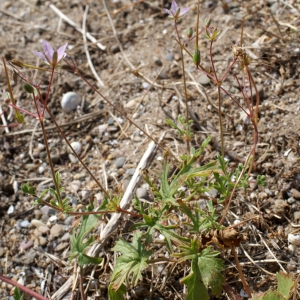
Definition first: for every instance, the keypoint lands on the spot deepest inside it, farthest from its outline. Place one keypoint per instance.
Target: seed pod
(28, 88)
(189, 32)
(197, 57)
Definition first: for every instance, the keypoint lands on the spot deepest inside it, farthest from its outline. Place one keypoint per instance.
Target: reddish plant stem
(245, 285)
(23, 288)
(76, 155)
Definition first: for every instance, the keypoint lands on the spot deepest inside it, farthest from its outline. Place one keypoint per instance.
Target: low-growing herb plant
(192, 236)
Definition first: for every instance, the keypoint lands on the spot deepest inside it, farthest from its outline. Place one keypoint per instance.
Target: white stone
(70, 101)
(77, 147)
(294, 239)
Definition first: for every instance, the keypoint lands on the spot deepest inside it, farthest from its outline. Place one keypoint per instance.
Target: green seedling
(17, 294)
(284, 288)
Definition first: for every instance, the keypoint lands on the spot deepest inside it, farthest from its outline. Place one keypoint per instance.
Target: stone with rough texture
(44, 229)
(61, 247)
(57, 230)
(26, 245)
(37, 223)
(119, 162)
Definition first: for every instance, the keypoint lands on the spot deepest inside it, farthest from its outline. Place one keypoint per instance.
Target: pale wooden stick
(113, 223)
(4, 120)
(70, 22)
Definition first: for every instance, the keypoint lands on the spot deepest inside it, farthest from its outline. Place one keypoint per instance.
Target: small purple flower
(50, 56)
(176, 12)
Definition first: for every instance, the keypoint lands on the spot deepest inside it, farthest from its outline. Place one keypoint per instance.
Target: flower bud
(207, 22)
(189, 32)
(19, 117)
(17, 63)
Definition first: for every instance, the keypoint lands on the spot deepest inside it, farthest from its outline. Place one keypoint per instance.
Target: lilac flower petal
(183, 11)
(48, 50)
(168, 12)
(174, 8)
(61, 52)
(40, 54)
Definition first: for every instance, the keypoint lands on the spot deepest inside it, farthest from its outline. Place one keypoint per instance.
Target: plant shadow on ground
(147, 38)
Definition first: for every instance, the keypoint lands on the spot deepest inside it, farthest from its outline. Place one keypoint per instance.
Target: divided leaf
(132, 261)
(205, 272)
(78, 247)
(195, 284)
(210, 268)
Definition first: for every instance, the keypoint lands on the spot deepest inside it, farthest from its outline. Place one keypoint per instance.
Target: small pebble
(296, 215)
(10, 210)
(70, 101)
(119, 162)
(77, 147)
(37, 223)
(295, 193)
(26, 245)
(170, 57)
(292, 247)
(42, 168)
(73, 158)
(44, 229)
(110, 121)
(57, 230)
(37, 213)
(24, 223)
(45, 210)
(142, 193)
(52, 218)
(294, 239)
(69, 220)
(40, 241)
(145, 85)
(65, 237)
(61, 247)
(102, 128)
(132, 103)
(203, 79)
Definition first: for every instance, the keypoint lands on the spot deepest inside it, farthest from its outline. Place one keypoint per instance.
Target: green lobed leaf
(116, 294)
(132, 261)
(78, 247)
(285, 283)
(206, 269)
(210, 268)
(270, 295)
(195, 286)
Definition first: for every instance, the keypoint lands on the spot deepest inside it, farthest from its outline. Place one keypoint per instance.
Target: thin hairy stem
(76, 155)
(50, 163)
(187, 139)
(245, 285)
